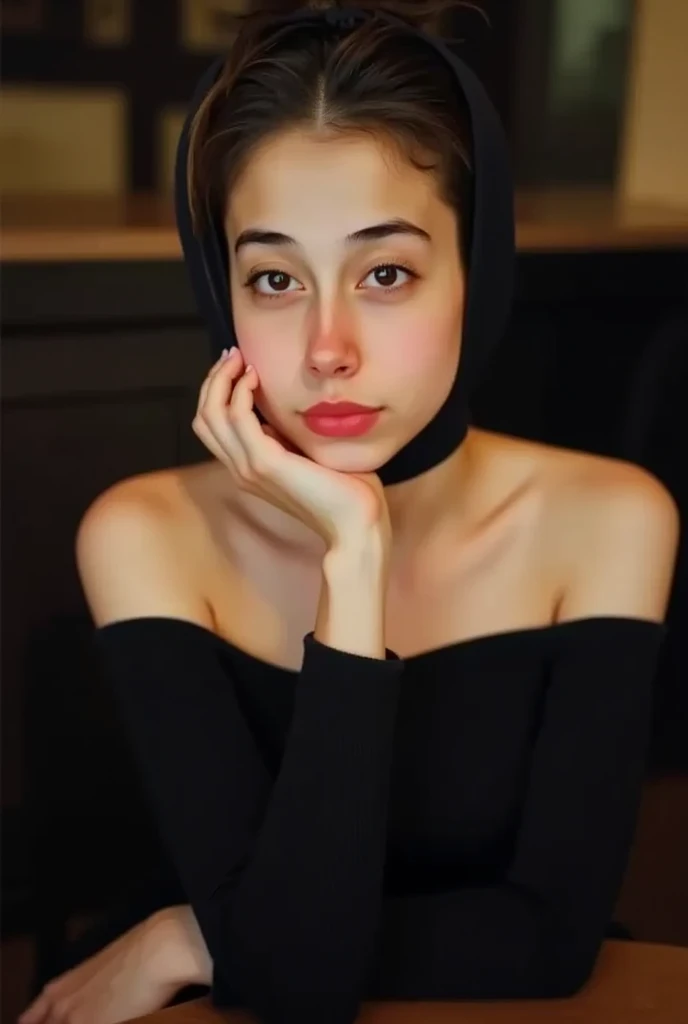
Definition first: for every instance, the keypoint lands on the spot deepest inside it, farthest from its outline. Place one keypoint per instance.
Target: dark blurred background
(103, 355)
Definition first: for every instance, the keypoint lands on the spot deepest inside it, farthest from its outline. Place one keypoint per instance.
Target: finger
(228, 356)
(242, 416)
(220, 385)
(211, 413)
(220, 416)
(221, 380)
(251, 431)
(206, 436)
(242, 409)
(60, 1013)
(204, 388)
(36, 1012)
(210, 374)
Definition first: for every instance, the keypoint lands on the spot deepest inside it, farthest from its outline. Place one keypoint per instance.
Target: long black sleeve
(538, 933)
(286, 878)
(285, 869)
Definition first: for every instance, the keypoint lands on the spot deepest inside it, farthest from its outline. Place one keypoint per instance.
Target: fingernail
(233, 349)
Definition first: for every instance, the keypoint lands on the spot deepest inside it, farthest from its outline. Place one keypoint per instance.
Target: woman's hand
(337, 506)
(138, 973)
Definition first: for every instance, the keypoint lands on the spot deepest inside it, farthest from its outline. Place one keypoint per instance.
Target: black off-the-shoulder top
(450, 826)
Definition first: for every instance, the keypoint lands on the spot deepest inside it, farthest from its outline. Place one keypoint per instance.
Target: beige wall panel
(654, 164)
(62, 140)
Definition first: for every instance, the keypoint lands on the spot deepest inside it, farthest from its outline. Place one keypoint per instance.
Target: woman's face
(331, 306)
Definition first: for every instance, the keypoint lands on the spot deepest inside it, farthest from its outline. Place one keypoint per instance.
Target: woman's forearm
(179, 953)
(351, 611)
(351, 774)
(307, 903)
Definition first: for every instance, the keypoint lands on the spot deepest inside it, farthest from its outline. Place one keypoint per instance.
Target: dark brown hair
(375, 77)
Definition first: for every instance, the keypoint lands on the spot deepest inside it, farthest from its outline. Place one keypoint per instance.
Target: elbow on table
(276, 991)
(556, 964)
(284, 1004)
(569, 969)
(560, 977)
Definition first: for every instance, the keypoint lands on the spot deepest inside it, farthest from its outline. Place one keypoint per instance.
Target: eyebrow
(255, 236)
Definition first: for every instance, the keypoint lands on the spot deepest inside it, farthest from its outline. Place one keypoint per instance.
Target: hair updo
(373, 76)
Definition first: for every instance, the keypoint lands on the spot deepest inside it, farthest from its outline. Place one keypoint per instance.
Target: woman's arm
(140, 971)
(538, 934)
(284, 876)
(182, 950)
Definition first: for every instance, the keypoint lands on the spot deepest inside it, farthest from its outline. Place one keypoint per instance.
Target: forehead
(295, 180)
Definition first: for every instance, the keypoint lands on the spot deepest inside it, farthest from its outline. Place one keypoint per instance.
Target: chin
(348, 456)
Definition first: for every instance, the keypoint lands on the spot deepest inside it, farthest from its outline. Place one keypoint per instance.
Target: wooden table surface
(633, 983)
(141, 227)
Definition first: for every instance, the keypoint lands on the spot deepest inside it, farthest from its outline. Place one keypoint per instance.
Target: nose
(332, 352)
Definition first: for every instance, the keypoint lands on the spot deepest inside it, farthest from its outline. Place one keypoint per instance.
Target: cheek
(274, 366)
(260, 342)
(423, 348)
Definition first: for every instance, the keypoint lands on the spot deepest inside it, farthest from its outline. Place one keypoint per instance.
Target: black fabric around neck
(490, 264)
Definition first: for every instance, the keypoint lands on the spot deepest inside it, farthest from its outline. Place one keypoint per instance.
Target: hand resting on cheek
(339, 507)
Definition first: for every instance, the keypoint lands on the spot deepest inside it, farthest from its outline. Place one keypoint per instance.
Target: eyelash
(254, 278)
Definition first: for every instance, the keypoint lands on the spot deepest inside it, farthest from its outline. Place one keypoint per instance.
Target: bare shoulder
(135, 545)
(616, 527)
(606, 530)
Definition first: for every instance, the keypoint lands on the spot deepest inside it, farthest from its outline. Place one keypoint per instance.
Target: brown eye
(386, 276)
(278, 280)
(390, 277)
(271, 283)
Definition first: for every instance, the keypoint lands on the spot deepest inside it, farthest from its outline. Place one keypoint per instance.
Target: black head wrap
(490, 260)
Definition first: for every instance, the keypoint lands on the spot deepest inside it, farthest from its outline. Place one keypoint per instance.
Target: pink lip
(338, 409)
(340, 419)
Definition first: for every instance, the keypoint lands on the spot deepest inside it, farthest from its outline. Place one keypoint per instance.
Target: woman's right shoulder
(136, 549)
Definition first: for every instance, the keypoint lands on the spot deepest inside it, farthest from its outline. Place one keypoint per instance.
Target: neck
(419, 508)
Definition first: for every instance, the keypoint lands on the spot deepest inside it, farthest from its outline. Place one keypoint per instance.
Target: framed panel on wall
(571, 77)
(70, 140)
(205, 25)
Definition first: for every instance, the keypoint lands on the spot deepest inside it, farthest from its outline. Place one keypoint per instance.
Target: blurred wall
(55, 139)
(94, 94)
(655, 158)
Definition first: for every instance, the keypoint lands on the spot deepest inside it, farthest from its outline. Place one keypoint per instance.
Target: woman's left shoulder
(597, 482)
(576, 487)
(607, 493)
(616, 527)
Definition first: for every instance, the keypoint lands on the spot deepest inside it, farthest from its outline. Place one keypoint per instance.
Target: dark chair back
(654, 434)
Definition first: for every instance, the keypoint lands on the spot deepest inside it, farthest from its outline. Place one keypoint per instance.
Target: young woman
(387, 676)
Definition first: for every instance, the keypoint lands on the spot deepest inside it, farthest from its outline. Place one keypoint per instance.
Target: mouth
(341, 419)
